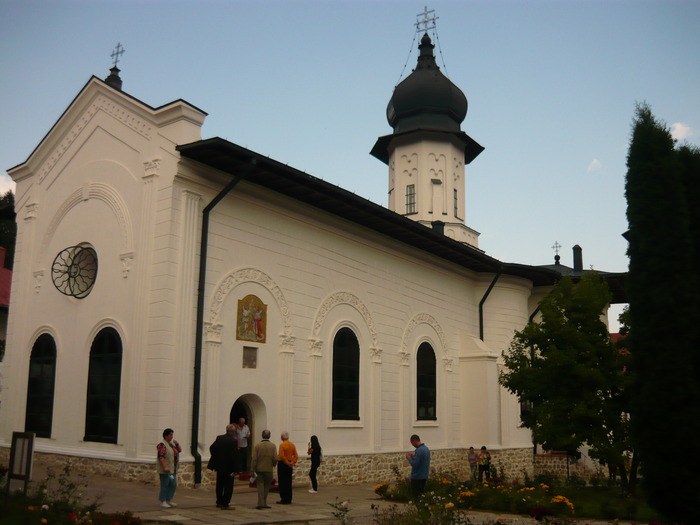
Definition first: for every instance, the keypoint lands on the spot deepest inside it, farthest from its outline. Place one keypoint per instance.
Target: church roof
(230, 158)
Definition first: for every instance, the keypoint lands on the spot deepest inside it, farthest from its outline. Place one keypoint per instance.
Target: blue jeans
(168, 485)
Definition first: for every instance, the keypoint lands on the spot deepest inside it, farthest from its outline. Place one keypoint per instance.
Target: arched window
(40, 391)
(104, 379)
(346, 375)
(426, 383)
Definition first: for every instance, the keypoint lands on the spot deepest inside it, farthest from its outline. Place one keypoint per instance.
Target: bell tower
(427, 152)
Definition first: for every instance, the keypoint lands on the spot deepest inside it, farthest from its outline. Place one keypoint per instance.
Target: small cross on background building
(556, 247)
(427, 21)
(117, 53)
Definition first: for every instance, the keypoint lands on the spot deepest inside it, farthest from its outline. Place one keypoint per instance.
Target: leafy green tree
(576, 380)
(664, 299)
(8, 227)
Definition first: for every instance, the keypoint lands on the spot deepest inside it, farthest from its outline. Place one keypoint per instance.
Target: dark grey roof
(615, 280)
(230, 158)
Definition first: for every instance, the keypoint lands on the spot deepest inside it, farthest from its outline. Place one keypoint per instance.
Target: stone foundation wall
(514, 463)
(564, 466)
(359, 468)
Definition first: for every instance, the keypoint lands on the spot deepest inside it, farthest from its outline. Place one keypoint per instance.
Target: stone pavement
(197, 506)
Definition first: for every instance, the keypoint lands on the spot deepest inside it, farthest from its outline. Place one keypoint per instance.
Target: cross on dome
(428, 22)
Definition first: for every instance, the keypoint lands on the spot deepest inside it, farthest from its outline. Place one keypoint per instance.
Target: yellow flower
(44, 520)
(564, 500)
(449, 505)
(382, 487)
(445, 481)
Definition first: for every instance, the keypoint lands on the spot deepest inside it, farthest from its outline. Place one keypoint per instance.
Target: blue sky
(551, 85)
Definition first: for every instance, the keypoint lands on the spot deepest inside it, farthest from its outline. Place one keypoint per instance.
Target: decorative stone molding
(101, 103)
(315, 348)
(423, 318)
(405, 358)
(104, 193)
(151, 168)
(31, 210)
(447, 364)
(350, 299)
(251, 275)
(287, 343)
(213, 346)
(376, 355)
(212, 332)
(38, 277)
(126, 259)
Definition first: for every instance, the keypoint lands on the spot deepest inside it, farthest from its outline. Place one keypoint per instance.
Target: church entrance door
(241, 409)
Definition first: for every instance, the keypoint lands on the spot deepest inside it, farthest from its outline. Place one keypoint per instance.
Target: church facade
(162, 280)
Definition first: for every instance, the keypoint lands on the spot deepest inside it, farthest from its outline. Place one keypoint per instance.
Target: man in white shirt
(243, 435)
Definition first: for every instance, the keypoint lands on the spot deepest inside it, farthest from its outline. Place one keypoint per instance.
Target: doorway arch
(252, 408)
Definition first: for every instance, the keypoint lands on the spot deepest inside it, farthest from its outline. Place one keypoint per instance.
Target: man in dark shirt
(223, 460)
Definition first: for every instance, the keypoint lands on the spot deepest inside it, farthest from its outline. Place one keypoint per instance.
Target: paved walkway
(197, 506)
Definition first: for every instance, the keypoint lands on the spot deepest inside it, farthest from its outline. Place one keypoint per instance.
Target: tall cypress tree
(661, 188)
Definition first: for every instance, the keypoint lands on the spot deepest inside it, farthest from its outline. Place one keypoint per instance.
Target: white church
(162, 280)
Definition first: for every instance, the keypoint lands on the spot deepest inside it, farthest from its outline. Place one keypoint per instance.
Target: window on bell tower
(411, 198)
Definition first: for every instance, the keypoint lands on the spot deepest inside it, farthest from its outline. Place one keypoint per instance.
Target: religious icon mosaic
(252, 319)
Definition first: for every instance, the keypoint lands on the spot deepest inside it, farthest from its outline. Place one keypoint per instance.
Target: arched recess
(423, 318)
(426, 383)
(252, 408)
(345, 377)
(41, 386)
(103, 399)
(104, 193)
(212, 321)
(349, 299)
(341, 313)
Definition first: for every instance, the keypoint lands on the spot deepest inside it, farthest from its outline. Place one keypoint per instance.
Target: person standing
(473, 462)
(243, 435)
(223, 461)
(286, 460)
(316, 455)
(420, 466)
(263, 464)
(484, 459)
(168, 451)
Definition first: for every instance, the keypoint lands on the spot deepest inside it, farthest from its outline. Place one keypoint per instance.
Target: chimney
(439, 227)
(578, 259)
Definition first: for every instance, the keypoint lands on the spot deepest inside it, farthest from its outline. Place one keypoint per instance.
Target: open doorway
(241, 409)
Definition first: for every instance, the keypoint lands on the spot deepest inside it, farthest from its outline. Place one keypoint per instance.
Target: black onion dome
(426, 99)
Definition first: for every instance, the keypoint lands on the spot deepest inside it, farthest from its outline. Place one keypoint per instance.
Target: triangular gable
(97, 96)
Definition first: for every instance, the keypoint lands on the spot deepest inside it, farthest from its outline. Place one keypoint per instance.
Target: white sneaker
(164, 504)
(171, 503)
(312, 491)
